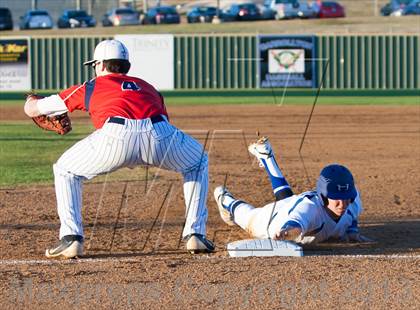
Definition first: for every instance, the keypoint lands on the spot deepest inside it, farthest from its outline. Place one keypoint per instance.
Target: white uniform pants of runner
(138, 142)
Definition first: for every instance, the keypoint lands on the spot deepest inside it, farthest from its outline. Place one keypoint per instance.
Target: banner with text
(287, 61)
(151, 58)
(15, 69)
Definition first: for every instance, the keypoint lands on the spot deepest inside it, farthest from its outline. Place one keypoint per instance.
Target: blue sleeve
(306, 213)
(292, 223)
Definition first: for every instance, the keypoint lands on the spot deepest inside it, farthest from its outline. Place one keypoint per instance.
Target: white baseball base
(263, 247)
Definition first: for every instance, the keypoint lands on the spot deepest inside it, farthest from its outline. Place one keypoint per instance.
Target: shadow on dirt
(394, 237)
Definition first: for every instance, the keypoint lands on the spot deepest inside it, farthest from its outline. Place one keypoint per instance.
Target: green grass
(28, 153)
(11, 97)
(12, 103)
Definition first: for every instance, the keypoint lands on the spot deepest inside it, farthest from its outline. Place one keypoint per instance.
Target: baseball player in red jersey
(132, 128)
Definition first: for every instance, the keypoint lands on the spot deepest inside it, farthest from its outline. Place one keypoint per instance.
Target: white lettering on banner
(8, 74)
(151, 44)
(151, 58)
(15, 69)
(284, 83)
(286, 42)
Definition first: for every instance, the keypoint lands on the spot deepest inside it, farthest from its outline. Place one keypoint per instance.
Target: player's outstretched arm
(31, 108)
(288, 233)
(60, 123)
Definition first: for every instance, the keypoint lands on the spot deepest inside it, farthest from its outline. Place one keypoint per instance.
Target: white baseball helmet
(108, 49)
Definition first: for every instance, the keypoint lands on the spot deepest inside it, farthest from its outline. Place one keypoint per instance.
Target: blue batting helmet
(336, 182)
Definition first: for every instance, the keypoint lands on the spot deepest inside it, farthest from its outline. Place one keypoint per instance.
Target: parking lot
(262, 16)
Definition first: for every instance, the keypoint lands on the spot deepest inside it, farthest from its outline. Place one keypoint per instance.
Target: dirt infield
(145, 266)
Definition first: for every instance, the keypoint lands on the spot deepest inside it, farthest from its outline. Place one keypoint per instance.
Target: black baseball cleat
(197, 243)
(70, 246)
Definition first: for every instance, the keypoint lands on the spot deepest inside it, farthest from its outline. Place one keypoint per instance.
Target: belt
(121, 121)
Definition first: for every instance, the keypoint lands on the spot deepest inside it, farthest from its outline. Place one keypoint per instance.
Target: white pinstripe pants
(138, 142)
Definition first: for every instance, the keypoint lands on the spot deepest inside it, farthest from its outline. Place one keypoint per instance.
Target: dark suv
(75, 18)
(6, 22)
(162, 15)
(242, 12)
(201, 14)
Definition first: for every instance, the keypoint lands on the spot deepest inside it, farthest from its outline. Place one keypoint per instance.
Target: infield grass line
(288, 100)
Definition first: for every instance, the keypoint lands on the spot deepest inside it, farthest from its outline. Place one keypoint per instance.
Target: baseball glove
(60, 124)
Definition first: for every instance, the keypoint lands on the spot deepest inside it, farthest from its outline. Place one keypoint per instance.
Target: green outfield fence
(231, 61)
(56, 63)
(216, 62)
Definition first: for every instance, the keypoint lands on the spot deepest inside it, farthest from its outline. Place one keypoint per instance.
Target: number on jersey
(129, 85)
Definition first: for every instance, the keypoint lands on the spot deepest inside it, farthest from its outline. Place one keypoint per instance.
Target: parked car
(267, 13)
(36, 19)
(6, 21)
(75, 18)
(285, 9)
(121, 17)
(329, 9)
(412, 9)
(201, 14)
(394, 7)
(162, 15)
(241, 12)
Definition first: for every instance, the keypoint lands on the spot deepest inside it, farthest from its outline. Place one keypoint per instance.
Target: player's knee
(201, 162)
(68, 175)
(64, 166)
(61, 171)
(204, 160)
(199, 166)
(58, 170)
(283, 194)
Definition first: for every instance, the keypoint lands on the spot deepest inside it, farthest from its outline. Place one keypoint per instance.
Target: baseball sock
(279, 184)
(230, 204)
(244, 212)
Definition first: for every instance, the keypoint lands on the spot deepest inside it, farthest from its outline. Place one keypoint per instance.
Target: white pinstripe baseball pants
(138, 142)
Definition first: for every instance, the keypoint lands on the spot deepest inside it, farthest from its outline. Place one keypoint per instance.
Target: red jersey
(114, 95)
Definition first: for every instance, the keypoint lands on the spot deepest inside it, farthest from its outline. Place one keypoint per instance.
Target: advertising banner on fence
(15, 69)
(287, 61)
(152, 58)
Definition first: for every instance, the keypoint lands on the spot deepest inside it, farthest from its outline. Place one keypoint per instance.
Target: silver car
(121, 17)
(36, 19)
(284, 9)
